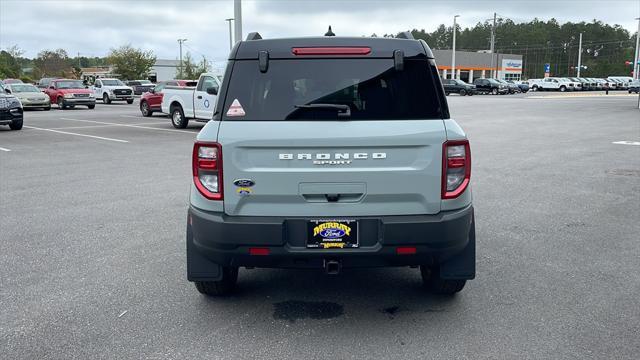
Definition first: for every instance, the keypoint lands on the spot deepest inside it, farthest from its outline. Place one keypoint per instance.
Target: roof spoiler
(405, 35)
(254, 36)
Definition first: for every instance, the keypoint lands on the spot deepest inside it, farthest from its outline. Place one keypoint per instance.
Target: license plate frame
(333, 234)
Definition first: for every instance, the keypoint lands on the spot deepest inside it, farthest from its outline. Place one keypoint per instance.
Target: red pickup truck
(150, 101)
(68, 93)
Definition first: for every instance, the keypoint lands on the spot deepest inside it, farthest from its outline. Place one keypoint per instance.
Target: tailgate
(332, 168)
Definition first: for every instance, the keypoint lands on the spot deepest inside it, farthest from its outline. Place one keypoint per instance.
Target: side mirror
(52, 87)
(7, 91)
(212, 91)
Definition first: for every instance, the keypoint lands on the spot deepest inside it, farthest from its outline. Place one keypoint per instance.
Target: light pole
(453, 52)
(579, 57)
(180, 41)
(229, 20)
(636, 67)
(237, 15)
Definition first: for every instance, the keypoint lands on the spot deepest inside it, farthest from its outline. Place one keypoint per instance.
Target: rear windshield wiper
(344, 110)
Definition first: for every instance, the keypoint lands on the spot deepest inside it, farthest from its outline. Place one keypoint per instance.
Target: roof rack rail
(254, 36)
(405, 35)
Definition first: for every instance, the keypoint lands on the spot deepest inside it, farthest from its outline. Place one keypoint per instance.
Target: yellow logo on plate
(333, 245)
(333, 226)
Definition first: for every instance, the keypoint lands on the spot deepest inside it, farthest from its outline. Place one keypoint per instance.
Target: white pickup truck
(184, 103)
(558, 84)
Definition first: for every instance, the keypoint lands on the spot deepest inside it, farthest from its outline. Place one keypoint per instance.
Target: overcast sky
(92, 27)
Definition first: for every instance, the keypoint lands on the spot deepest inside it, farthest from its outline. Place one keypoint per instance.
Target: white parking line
(4, 149)
(96, 126)
(76, 134)
(627, 143)
(129, 125)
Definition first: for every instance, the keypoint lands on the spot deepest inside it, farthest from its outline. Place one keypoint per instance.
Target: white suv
(112, 90)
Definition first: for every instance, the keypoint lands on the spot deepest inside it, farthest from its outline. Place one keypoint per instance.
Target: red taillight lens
(456, 168)
(207, 169)
(360, 50)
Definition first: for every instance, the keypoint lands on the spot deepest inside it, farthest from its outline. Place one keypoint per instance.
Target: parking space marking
(76, 134)
(627, 143)
(97, 126)
(4, 149)
(129, 125)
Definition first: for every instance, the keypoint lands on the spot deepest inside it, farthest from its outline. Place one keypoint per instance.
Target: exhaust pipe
(332, 267)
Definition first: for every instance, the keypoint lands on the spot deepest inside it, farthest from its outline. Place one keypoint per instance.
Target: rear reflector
(331, 50)
(259, 251)
(406, 250)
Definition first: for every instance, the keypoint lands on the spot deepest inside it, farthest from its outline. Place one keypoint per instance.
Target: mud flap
(463, 265)
(199, 268)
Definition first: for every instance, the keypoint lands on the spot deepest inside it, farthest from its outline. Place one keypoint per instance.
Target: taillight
(207, 169)
(456, 168)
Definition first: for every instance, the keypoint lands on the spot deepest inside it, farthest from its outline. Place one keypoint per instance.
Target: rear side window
(371, 88)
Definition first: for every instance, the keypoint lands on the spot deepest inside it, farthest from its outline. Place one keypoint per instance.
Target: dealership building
(474, 65)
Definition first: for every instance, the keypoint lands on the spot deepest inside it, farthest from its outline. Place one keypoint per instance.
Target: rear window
(371, 88)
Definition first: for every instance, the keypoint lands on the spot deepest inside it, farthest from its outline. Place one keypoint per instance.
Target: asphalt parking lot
(92, 256)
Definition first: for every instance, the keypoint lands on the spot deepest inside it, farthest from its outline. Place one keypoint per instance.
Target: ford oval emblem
(332, 233)
(244, 182)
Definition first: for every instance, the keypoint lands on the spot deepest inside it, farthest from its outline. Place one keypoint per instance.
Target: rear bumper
(215, 239)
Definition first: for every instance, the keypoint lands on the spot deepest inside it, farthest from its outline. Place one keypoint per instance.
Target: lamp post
(237, 15)
(180, 41)
(636, 59)
(453, 52)
(229, 20)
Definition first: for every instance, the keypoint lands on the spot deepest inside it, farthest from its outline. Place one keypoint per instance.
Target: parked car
(112, 90)
(597, 83)
(151, 101)
(522, 85)
(30, 96)
(184, 103)
(634, 86)
(294, 174)
(44, 83)
(513, 88)
(619, 83)
(584, 84)
(490, 86)
(12, 81)
(551, 84)
(458, 86)
(11, 112)
(140, 86)
(68, 93)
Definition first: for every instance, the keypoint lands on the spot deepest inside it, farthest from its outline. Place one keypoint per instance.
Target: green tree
(9, 66)
(131, 63)
(191, 70)
(52, 63)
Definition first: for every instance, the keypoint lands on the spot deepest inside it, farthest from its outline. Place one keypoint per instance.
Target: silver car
(30, 96)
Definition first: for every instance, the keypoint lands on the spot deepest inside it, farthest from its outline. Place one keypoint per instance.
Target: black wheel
(16, 125)
(177, 118)
(130, 101)
(105, 98)
(563, 88)
(446, 93)
(47, 108)
(432, 281)
(91, 106)
(222, 287)
(145, 109)
(463, 92)
(494, 91)
(61, 103)
(534, 88)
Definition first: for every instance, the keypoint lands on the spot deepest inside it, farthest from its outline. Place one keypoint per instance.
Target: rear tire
(494, 91)
(432, 281)
(223, 287)
(534, 88)
(145, 109)
(177, 118)
(563, 88)
(16, 125)
(463, 92)
(105, 98)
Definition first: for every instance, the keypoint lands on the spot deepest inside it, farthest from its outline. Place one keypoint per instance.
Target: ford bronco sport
(331, 153)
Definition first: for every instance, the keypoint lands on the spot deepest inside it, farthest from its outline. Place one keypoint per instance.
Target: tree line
(605, 48)
(128, 63)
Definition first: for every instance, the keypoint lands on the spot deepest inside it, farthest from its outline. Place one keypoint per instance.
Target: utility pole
(229, 20)
(453, 51)
(81, 66)
(579, 56)
(493, 43)
(636, 66)
(237, 15)
(180, 41)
